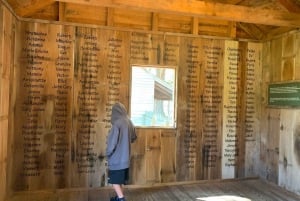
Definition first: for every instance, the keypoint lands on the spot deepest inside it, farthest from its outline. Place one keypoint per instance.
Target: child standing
(120, 137)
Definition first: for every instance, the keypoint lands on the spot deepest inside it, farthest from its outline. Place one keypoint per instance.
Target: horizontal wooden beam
(196, 8)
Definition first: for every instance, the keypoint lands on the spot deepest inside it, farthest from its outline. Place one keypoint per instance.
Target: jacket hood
(118, 111)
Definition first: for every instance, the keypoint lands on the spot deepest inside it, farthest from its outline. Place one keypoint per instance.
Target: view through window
(152, 96)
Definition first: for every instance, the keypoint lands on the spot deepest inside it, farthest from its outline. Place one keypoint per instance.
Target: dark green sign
(284, 94)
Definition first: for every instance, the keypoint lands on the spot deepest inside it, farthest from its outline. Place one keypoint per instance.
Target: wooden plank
(32, 7)
(123, 18)
(152, 154)
(211, 94)
(138, 160)
(7, 49)
(297, 57)
(253, 87)
(206, 9)
(168, 156)
(288, 57)
(289, 153)
(86, 14)
(243, 190)
(231, 122)
(49, 13)
(276, 56)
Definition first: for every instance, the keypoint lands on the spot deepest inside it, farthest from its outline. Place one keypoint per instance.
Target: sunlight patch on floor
(223, 198)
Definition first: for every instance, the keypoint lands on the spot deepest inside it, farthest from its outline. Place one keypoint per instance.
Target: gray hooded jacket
(122, 133)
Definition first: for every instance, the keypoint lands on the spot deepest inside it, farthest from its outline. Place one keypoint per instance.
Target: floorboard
(232, 190)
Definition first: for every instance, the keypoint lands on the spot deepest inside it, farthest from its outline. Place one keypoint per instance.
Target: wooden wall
(56, 97)
(280, 126)
(7, 32)
(56, 101)
(68, 77)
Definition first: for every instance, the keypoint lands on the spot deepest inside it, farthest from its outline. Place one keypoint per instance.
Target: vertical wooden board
(2, 20)
(182, 172)
(13, 96)
(266, 65)
(168, 156)
(211, 90)
(266, 68)
(6, 57)
(297, 56)
(188, 108)
(230, 113)
(270, 145)
(138, 159)
(87, 143)
(3, 156)
(288, 45)
(171, 50)
(146, 49)
(288, 57)
(253, 88)
(153, 155)
(43, 109)
(289, 151)
(276, 57)
(288, 68)
(7, 43)
(243, 97)
(295, 146)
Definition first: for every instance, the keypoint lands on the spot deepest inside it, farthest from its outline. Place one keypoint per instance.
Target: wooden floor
(226, 190)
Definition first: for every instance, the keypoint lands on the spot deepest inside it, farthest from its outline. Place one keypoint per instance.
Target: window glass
(152, 96)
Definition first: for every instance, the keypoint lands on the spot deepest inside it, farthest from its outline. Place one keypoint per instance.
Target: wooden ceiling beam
(33, 7)
(197, 8)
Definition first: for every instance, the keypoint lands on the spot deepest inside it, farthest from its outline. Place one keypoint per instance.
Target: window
(152, 96)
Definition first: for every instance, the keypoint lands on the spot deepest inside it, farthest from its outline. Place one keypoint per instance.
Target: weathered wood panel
(68, 77)
(153, 156)
(279, 127)
(101, 79)
(211, 94)
(138, 160)
(86, 15)
(252, 107)
(231, 110)
(289, 152)
(297, 56)
(168, 156)
(7, 36)
(135, 19)
(42, 116)
(276, 59)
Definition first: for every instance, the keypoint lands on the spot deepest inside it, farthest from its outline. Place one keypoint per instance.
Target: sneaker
(122, 199)
(114, 198)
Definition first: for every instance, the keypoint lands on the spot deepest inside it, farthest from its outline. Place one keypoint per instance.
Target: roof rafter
(196, 8)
